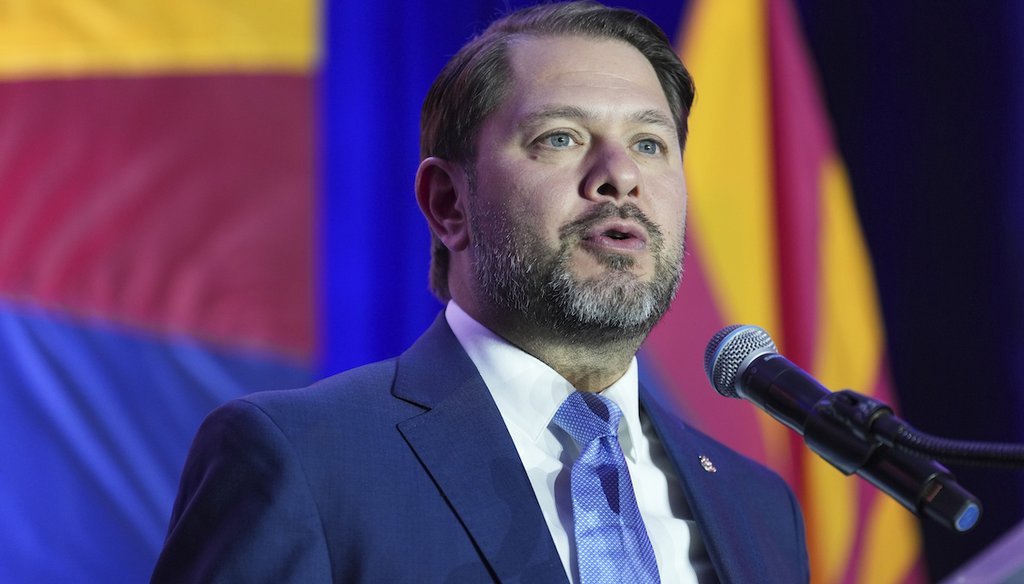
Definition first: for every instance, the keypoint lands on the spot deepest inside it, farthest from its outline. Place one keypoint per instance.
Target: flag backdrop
(774, 240)
(203, 199)
(156, 257)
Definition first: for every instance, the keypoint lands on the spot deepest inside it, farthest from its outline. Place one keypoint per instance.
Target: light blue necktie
(611, 542)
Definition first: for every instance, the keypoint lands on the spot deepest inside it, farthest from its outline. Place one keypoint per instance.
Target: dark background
(927, 99)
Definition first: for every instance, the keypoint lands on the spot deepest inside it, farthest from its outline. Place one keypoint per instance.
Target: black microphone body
(741, 361)
(780, 388)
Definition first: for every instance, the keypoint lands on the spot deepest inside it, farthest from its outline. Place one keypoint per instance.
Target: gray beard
(518, 274)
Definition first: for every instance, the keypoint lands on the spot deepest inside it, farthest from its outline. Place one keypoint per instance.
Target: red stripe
(801, 145)
(177, 204)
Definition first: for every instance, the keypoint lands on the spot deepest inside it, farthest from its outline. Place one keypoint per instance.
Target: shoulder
(363, 385)
(429, 368)
(282, 421)
(297, 422)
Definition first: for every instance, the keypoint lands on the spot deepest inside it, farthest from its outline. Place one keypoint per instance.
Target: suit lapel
(729, 540)
(462, 442)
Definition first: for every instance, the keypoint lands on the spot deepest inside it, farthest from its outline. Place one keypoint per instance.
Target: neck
(589, 360)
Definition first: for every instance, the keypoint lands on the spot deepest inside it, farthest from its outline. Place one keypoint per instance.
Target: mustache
(576, 229)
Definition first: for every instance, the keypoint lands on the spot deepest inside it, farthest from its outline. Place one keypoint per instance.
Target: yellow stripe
(891, 544)
(830, 511)
(850, 345)
(850, 337)
(728, 161)
(47, 38)
(847, 354)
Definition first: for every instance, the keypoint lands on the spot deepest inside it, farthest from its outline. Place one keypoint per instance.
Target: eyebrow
(571, 112)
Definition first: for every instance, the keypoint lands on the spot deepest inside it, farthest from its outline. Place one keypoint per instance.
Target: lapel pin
(707, 465)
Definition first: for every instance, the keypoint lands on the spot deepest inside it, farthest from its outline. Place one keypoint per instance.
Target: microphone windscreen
(727, 351)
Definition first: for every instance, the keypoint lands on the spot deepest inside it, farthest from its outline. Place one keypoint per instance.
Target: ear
(441, 192)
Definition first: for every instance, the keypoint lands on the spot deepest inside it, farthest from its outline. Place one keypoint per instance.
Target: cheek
(668, 196)
(541, 199)
(669, 213)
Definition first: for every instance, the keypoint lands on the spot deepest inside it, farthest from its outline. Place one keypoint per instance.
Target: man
(552, 182)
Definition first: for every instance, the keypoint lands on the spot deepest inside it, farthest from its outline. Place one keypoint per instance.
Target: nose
(612, 174)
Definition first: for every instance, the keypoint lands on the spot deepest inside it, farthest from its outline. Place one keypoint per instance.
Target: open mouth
(616, 236)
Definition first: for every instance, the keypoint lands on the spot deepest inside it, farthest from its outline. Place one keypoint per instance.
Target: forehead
(601, 73)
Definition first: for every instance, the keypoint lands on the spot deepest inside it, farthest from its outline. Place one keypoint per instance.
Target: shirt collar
(526, 390)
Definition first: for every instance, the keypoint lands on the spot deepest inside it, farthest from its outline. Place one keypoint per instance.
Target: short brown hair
(475, 82)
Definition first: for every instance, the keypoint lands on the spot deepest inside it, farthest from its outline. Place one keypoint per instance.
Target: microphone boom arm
(838, 430)
(838, 427)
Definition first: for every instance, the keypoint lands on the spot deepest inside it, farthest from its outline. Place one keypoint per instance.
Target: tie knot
(587, 416)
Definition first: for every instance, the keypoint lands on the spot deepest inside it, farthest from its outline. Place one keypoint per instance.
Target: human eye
(559, 140)
(649, 146)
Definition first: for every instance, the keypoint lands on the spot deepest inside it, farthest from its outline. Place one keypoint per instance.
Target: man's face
(578, 196)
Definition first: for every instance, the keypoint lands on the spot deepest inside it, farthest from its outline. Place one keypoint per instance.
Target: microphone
(741, 361)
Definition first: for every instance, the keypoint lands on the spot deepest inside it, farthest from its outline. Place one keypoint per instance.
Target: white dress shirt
(527, 393)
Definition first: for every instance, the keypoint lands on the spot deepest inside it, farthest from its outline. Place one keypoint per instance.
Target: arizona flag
(156, 205)
(774, 240)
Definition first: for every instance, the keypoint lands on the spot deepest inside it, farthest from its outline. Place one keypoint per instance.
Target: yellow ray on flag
(730, 180)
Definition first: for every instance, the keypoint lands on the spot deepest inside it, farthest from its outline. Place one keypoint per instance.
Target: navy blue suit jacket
(403, 471)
